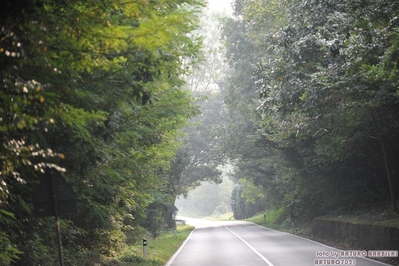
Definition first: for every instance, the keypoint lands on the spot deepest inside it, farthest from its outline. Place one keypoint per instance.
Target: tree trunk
(387, 164)
(389, 176)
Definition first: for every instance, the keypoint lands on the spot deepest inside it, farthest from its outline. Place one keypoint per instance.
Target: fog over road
(236, 243)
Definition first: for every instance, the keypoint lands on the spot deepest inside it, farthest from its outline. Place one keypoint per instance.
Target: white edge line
(321, 244)
(252, 248)
(171, 260)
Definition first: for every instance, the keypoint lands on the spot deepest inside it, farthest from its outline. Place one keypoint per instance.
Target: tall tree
(198, 160)
(320, 91)
(327, 82)
(93, 88)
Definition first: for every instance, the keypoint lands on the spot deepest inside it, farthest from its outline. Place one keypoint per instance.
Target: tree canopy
(319, 81)
(93, 89)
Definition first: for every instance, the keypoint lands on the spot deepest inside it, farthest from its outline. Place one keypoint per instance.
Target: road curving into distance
(239, 243)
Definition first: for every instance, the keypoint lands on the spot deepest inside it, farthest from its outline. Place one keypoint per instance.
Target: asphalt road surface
(238, 243)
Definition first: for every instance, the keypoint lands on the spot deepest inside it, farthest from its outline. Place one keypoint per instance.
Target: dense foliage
(199, 159)
(314, 97)
(93, 89)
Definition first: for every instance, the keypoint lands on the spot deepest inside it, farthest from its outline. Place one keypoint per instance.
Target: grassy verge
(382, 220)
(305, 229)
(162, 248)
(259, 219)
(159, 250)
(275, 219)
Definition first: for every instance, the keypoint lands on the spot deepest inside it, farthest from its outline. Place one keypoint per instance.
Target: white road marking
(318, 243)
(252, 248)
(172, 259)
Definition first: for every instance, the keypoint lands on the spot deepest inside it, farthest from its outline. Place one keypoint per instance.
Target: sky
(220, 5)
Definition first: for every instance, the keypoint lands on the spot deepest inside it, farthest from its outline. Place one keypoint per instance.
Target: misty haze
(184, 133)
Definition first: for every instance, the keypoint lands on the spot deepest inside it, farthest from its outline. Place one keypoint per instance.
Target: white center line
(251, 247)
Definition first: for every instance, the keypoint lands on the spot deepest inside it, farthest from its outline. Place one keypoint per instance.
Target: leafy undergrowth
(383, 218)
(270, 221)
(275, 219)
(159, 250)
(279, 220)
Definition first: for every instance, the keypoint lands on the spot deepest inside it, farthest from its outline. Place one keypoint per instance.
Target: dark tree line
(314, 97)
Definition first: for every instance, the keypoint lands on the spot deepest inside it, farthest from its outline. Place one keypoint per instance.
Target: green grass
(276, 219)
(162, 248)
(365, 220)
(259, 219)
(159, 250)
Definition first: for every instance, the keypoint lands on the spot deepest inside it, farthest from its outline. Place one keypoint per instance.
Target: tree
(200, 157)
(253, 156)
(91, 88)
(325, 75)
(317, 94)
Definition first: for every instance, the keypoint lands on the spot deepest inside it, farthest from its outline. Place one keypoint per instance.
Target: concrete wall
(365, 237)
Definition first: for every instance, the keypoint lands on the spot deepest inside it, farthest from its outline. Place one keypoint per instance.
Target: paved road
(241, 243)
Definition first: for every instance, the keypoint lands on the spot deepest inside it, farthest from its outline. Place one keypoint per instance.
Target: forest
(312, 100)
(93, 89)
(137, 102)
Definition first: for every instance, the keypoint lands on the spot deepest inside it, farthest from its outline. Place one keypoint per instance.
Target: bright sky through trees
(220, 5)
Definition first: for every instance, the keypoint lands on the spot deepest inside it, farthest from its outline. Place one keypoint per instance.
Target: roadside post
(292, 214)
(144, 247)
(52, 198)
(264, 218)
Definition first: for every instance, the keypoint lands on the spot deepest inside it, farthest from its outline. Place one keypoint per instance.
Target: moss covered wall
(367, 237)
